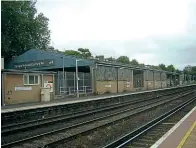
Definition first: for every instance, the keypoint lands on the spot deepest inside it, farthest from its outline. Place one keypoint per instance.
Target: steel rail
(128, 138)
(90, 121)
(9, 129)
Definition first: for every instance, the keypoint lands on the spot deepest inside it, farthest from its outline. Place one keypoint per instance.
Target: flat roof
(26, 71)
(132, 67)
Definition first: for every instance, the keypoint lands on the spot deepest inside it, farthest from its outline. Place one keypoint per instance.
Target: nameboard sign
(108, 85)
(34, 64)
(22, 88)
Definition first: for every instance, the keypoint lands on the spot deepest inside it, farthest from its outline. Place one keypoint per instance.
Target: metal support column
(161, 79)
(83, 82)
(147, 78)
(153, 81)
(92, 79)
(77, 87)
(54, 89)
(63, 74)
(170, 80)
(74, 82)
(117, 79)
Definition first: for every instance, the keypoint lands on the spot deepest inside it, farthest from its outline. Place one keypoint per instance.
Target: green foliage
(123, 59)
(142, 65)
(134, 62)
(81, 53)
(85, 52)
(170, 68)
(191, 70)
(178, 71)
(22, 28)
(163, 67)
(73, 53)
(155, 67)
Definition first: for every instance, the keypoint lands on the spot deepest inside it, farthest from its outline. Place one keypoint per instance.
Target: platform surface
(56, 102)
(190, 142)
(182, 135)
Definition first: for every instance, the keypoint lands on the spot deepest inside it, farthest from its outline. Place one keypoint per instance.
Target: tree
(193, 70)
(163, 67)
(22, 28)
(170, 68)
(123, 59)
(85, 52)
(155, 67)
(51, 48)
(178, 71)
(190, 70)
(81, 53)
(73, 53)
(134, 62)
(142, 65)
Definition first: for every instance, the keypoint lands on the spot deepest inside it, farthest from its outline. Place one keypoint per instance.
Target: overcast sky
(151, 31)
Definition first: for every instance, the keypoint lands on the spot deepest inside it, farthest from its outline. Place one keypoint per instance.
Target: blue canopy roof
(43, 60)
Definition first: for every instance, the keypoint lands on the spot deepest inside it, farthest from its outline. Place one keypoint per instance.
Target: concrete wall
(164, 84)
(157, 84)
(106, 87)
(13, 96)
(150, 85)
(125, 86)
(107, 77)
(111, 86)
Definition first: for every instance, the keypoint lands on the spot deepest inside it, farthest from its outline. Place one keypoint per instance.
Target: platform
(27, 106)
(182, 135)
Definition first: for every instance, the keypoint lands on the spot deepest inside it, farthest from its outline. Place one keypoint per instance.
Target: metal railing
(73, 91)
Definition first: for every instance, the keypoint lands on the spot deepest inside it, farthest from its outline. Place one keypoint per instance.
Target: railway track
(13, 128)
(146, 135)
(53, 111)
(93, 123)
(69, 109)
(149, 96)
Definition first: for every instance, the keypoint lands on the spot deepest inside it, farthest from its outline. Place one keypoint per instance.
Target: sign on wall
(34, 64)
(108, 85)
(22, 88)
(49, 85)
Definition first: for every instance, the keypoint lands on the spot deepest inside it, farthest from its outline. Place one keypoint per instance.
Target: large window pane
(36, 80)
(25, 79)
(31, 80)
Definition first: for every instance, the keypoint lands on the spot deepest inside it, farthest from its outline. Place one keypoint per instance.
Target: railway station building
(19, 86)
(94, 76)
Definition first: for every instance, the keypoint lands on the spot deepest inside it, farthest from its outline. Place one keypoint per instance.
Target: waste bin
(45, 94)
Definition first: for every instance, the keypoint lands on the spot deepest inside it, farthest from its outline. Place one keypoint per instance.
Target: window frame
(27, 75)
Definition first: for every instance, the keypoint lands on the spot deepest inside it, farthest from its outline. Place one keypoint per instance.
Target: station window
(31, 80)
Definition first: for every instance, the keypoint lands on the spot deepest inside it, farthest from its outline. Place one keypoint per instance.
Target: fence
(67, 85)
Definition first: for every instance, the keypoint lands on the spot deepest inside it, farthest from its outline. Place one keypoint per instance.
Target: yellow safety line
(187, 135)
